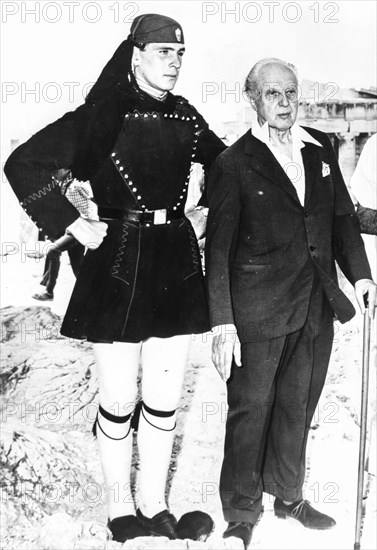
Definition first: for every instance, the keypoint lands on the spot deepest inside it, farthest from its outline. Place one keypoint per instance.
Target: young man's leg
(164, 361)
(117, 367)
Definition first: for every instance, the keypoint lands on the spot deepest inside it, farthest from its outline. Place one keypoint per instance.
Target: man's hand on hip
(225, 345)
(362, 287)
(89, 233)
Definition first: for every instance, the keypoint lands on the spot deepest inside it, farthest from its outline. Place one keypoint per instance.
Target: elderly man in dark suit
(280, 215)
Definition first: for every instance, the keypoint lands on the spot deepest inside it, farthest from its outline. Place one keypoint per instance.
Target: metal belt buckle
(159, 216)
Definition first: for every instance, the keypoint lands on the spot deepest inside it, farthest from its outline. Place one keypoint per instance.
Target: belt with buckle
(152, 217)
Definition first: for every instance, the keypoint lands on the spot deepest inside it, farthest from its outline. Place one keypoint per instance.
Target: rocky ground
(52, 494)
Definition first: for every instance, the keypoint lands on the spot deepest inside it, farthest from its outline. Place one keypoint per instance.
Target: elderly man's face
(277, 102)
(159, 64)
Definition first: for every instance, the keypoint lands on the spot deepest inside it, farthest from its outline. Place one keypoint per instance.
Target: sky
(58, 48)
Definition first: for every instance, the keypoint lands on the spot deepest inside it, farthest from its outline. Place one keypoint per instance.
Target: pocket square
(325, 169)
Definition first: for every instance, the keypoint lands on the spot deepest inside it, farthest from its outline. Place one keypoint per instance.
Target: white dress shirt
(293, 167)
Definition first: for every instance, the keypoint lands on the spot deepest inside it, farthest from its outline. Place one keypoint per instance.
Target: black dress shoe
(44, 296)
(162, 524)
(126, 527)
(240, 529)
(304, 513)
(195, 525)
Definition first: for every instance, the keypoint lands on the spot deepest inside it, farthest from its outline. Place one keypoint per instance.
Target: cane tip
(356, 546)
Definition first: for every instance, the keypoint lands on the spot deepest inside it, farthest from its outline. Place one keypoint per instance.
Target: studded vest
(150, 165)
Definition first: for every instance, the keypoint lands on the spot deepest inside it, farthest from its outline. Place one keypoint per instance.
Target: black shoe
(240, 529)
(44, 296)
(126, 527)
(304, 513)
(162, 524)
(195, 526)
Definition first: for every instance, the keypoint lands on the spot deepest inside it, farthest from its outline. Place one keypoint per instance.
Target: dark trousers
(272, 399)
(52, 263)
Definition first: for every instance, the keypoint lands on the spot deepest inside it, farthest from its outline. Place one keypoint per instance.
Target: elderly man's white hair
(252, 79)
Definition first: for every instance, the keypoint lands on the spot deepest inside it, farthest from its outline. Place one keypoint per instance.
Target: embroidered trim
(134, 285)
(43, 191)
(120, 254)
(194, 252)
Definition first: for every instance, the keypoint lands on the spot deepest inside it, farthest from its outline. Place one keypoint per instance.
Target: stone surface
(46, 379)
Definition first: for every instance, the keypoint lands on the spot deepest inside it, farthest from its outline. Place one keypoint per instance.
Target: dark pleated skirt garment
(141, 282)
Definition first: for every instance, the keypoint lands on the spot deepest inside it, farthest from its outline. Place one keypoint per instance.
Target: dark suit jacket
(263, 247)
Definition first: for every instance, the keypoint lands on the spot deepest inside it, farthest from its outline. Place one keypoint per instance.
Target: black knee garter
(111, 418)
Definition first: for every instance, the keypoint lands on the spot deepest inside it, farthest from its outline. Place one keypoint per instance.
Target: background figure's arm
(348, 245)
(367, 218)
(364, 187)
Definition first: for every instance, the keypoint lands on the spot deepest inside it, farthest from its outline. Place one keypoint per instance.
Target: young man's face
(159, 64)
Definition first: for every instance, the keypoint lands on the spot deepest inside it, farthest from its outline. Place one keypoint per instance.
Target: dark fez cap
(152, 27)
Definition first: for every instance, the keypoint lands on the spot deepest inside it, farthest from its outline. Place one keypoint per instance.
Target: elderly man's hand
(366, 286)
(225, 344)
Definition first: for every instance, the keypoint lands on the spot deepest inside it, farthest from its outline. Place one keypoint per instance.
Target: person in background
(79, 193)
(364, 188)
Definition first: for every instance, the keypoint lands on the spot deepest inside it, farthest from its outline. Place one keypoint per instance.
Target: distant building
(348, 116)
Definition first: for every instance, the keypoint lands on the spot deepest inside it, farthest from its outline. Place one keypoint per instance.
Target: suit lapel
(311, 159)
(264, 162)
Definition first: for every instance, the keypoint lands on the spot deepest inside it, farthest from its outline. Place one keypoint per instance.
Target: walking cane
(363, 424)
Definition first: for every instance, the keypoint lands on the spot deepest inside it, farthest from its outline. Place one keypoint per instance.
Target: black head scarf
(115, 76)
(100, 118)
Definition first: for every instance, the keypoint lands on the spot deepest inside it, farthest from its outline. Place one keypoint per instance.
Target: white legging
(163, 366)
